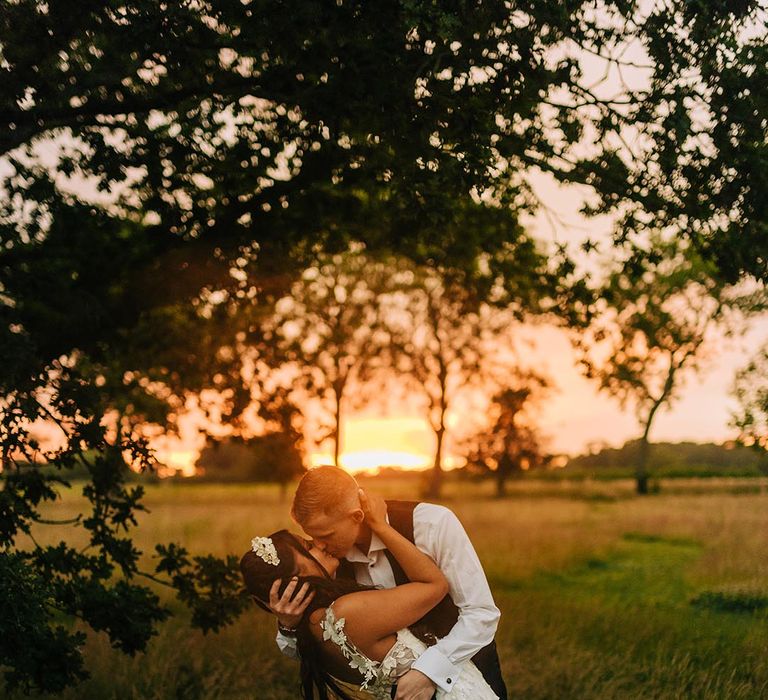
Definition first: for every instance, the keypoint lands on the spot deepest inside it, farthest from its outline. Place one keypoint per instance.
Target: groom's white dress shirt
(438, 533)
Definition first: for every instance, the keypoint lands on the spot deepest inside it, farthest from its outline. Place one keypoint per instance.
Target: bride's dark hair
(259, 576)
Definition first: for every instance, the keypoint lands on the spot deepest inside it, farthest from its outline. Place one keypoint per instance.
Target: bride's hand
(374, 508)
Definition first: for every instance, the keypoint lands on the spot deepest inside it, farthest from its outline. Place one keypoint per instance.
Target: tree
(751, 417)
(235, 123)
(658, 314)
(448, 337)
(329, 329)
(272, 457)
(510, 444)
(103, 392)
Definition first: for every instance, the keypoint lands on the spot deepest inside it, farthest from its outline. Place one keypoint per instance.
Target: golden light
(367, 443)
(176, 462)
(370, 443)
(372, 459)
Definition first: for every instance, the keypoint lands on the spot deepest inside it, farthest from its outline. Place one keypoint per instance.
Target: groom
(327, 507)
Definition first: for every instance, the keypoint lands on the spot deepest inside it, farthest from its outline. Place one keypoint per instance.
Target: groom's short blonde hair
(327, 490)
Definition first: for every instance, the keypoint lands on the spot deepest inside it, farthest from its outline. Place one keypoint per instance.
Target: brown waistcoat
(443, 616)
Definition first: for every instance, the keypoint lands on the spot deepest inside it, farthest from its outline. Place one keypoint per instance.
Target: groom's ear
(357, 515)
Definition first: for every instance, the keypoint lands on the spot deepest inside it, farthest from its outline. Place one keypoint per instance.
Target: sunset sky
(573, 417)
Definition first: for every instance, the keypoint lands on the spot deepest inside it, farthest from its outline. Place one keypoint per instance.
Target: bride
(352, 635)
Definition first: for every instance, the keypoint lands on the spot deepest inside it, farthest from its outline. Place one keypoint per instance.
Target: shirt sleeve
(287, 645)
(439, 534)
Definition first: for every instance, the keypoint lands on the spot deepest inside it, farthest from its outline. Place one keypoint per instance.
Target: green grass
(603, 594)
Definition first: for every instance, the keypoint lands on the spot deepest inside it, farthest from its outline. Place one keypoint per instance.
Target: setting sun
(370, 459)
(369, 443)
(175, 461)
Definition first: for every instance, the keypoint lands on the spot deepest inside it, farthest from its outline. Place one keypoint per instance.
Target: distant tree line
(272, 457)
(670, 458)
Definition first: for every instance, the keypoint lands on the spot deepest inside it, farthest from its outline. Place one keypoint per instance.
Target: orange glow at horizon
(176, 462)
(369, 443)
(370, 459)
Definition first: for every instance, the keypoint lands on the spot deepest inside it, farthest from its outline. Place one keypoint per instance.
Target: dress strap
(333, 630)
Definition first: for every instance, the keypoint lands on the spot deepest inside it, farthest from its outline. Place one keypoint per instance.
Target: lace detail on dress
(378, 676)
(333, 629)
(401, 656)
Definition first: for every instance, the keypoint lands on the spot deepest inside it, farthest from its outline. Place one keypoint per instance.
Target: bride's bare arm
(418, 567)
(373, 616)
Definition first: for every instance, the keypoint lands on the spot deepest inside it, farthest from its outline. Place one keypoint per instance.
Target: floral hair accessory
(265, 550)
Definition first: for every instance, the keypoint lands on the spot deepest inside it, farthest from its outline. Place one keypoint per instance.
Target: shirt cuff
(433, 664)
(287, 645)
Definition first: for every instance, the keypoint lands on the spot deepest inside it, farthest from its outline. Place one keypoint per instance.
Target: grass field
(603, 594)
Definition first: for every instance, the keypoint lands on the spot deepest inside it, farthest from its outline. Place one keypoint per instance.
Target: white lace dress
(379, 676)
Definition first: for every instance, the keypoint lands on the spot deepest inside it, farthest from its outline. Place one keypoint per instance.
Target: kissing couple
(385, 599)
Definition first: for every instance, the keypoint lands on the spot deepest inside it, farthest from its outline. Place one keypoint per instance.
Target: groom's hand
(414, 685)
(288, 607)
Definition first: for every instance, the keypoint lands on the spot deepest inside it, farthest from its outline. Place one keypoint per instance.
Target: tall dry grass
(595, 587)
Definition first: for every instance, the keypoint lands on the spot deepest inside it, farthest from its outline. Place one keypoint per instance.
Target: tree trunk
(500, 484)
(337, 428)
(436, 477)
(641, 472)
(641, 475)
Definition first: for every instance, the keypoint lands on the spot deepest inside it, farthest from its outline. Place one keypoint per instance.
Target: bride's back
(373, 667)
(346, 616)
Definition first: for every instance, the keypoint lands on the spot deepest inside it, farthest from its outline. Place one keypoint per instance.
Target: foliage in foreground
(46, 585)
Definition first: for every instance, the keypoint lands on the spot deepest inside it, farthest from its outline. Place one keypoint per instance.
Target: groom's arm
(287, 645)
(438, 533)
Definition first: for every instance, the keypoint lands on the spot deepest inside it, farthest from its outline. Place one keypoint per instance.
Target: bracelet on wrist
(290, 631)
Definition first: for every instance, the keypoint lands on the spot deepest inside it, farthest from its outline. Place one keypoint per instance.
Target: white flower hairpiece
(265, 549)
